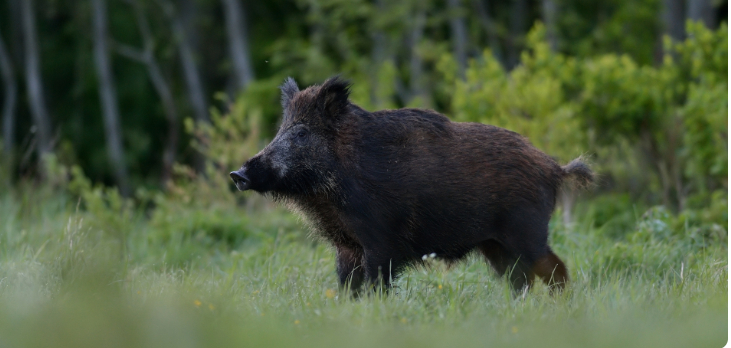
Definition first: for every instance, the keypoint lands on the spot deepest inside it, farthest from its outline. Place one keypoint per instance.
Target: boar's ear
(289, 89)
(332, 100)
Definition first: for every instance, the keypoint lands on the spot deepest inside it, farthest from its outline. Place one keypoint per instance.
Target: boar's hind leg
(504, 261)
(552, 271)
(350, 268)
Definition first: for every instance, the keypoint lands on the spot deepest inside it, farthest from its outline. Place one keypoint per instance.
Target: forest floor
(66, 281)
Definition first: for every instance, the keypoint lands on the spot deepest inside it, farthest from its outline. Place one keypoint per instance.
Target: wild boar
(387, 187)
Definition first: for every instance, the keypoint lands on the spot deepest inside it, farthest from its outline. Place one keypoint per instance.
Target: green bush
(660, 131)
(661, 242)
(532, 99)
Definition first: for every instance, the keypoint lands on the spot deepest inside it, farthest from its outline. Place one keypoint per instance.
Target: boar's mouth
(242, 182)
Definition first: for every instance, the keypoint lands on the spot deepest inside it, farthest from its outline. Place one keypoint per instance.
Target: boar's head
(301, 157)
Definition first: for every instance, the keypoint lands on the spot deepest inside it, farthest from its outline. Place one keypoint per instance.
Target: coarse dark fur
(387, 187)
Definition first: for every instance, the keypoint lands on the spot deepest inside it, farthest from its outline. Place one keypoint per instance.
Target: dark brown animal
(387, 187)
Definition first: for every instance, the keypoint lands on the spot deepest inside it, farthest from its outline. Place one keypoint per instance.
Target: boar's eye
(301, 133)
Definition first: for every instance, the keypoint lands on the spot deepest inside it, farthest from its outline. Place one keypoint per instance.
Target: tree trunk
(34, 84)
(459, 34)
(11, 95)
(147, 57)
(181, 25)
(108, 96)
(568, 198)
(378, 54)
(16, 32)
(701, 10)
(549, 13)
(416, 69)
(181, 30)
(377, 59)
(518, 14)
(674, 19)
(238, 39)
(483, 11)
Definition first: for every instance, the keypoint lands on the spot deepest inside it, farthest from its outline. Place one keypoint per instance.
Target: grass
(69, 277)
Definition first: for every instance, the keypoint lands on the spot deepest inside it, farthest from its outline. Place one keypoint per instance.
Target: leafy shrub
(660, 242)
(203, 213)
(532, 99)
(613, 215)
(670, 120)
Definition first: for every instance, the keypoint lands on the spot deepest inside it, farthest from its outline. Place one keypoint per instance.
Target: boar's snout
(241, 180)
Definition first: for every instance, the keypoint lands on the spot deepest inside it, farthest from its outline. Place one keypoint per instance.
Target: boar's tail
(580, 172)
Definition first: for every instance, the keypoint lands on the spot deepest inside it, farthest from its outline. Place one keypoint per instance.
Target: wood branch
(34, 84)
(235, 15)
(132, 53)
(190, 69)
(10, 99)
(108, 96)
(181, 30)
(146, 56)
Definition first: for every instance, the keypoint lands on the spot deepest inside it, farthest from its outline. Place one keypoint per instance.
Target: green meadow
(95, 270)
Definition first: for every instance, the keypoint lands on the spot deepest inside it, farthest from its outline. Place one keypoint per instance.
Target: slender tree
(34, 82)
(378, 52)
(108, 96)
(11, 95)
(701, 10)
(490, 27)
(181, 27)
(549, 14)
(146, 56)
(16, 32)
(416, 66)
(236, 27)
(459, 34)
(674, 19)
(518, 18)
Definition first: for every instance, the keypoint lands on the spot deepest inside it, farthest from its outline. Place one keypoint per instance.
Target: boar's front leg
(350, 267)
(380, 270)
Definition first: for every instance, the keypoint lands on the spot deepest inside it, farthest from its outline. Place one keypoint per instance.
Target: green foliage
(531, 99)
(200, 214)
(107, 211)
(670, 118)
(615, 26)
(614, 215)
(231, 136)
(704, 59)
